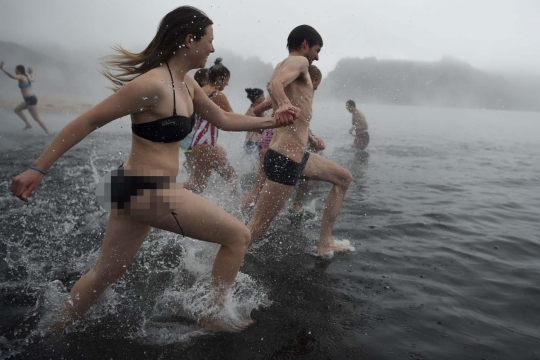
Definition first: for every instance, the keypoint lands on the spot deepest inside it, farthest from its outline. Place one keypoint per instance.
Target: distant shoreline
(54, 104)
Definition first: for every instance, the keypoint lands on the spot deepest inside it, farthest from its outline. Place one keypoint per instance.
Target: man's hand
(286, 114)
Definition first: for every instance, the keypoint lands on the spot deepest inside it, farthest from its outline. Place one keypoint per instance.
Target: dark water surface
(443, 213)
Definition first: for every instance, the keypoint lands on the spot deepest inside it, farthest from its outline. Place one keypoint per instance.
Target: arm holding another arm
(229, 121)
(289, 71)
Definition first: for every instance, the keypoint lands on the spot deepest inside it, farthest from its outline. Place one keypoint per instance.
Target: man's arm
(290, 70)
(261, 108)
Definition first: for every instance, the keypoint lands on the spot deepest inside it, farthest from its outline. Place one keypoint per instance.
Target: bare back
(359, 122)
(291, 140)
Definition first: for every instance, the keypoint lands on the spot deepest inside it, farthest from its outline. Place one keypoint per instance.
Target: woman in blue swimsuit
(30, 100)
(153, 88)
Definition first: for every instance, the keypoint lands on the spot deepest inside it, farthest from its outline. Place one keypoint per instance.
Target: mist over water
(443, 214)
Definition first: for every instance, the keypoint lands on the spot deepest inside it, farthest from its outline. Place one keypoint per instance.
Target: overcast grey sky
(489, 34)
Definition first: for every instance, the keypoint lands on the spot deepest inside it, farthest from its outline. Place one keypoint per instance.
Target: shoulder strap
(174, 94)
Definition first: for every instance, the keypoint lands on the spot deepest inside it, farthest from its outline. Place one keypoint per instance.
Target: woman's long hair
(172, 31)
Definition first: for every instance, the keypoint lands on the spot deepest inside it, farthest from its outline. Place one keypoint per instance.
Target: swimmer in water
(30, 99)
(207, 154)
(359, 126)
(153, 88)
(286, 159)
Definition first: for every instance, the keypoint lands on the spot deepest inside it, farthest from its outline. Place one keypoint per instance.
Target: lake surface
(443, 213)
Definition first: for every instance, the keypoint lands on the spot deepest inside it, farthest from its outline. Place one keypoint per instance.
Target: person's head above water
(306, 41)
(219, 75)
(315, 75)
(201, 77)
(254, 95)
(20, 70)
(184, 34)
(350, 105)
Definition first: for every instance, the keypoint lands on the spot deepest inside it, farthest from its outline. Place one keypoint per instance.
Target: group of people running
(166, 107)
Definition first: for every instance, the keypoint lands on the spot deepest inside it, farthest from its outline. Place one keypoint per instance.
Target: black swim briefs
(30, 100)
(282, 170)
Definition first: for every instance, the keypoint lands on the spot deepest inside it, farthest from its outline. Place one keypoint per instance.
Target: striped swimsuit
(206, 133)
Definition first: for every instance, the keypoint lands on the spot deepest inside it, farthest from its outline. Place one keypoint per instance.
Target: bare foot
(334, 246)
(27, 127)
(218, 325)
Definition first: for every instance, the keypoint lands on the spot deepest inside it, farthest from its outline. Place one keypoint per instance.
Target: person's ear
(188, 41)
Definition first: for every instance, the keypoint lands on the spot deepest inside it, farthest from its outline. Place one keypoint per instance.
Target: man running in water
(286, 159)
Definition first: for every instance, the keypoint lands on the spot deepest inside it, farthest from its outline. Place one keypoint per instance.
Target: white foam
(345, 244)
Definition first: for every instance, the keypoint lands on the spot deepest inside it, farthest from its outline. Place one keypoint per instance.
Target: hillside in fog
(447, 83)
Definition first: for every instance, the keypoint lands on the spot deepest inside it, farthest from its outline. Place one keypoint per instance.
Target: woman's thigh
(180, 211)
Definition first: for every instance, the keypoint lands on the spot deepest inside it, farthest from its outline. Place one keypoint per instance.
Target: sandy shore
(55, 104)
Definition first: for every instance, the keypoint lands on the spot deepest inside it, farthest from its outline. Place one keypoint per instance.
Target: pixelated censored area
(117, 189)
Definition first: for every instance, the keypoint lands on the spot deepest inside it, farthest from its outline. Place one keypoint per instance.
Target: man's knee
(343, 178)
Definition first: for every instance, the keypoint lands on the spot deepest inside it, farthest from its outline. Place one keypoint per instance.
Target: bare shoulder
(297, 62)
(191, 84)
(152, 80)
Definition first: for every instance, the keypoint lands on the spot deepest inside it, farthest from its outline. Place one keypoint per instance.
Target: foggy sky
(494, 35)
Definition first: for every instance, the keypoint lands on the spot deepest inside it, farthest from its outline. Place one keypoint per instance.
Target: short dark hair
(301, 33)
(201, 77)
(21, 69)
(351, 103)
(253, 94)
(218, 70)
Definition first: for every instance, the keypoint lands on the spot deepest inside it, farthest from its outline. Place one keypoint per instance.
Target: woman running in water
(207, 154)
(30, 100)
(201, 77)
(153, 88)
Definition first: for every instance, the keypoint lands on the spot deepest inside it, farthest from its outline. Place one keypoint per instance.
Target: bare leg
(303, 186)
(33, 111)
(224, 168)
(203, 220)
(202, 156)
(319, 168)
(271, 200)
(250, 198)
(18, 110)
(199, 218)
(123, 238)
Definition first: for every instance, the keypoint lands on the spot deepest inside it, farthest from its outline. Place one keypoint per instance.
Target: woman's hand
(286, 114)
(23, 184)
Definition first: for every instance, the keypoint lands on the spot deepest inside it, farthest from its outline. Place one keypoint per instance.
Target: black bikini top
(167, 130)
